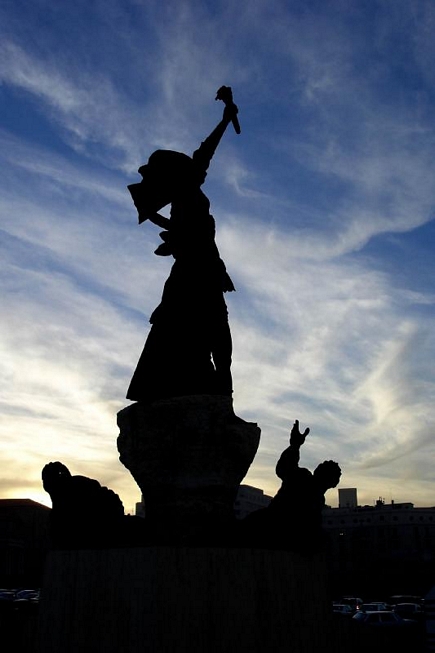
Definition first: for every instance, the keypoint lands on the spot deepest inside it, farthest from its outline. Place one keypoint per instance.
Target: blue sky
(324, 206)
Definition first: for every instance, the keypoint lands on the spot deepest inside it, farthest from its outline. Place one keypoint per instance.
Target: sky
(324, 207)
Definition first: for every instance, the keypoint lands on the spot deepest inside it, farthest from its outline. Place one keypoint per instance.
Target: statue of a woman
(188, 349)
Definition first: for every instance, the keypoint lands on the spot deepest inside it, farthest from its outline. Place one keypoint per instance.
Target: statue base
(206, 600)
(188, 455)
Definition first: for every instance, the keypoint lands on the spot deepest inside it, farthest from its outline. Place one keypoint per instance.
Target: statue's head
(165, 173)
(169, 162)
(327, 474)
(55, 477)
(174, 168)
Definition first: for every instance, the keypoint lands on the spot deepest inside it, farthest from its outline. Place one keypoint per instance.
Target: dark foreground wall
(188, 600)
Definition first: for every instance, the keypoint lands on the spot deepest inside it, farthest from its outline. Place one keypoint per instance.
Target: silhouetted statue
(85, 514)
(188, 349)
(293, 519)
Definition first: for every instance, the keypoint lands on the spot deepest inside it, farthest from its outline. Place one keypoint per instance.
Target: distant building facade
(393, 543)
(347, 497)
(140, 508)
(248, 499)
(24, 542)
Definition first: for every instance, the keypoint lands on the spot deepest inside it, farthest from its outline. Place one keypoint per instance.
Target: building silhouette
(347, 497)
(140, 508)
(24, 542)
(249, 499)
(384, 548)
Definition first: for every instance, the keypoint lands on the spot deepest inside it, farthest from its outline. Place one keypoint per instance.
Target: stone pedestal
(188, 455)
(185, 600)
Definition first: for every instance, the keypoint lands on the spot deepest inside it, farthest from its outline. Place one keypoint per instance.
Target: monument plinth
(188, 455)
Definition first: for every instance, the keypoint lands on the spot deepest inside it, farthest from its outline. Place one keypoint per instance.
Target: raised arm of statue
(289, 459)
(297, 438)
(204, 154)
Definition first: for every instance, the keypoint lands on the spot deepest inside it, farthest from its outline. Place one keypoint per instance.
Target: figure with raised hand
(293, 519)
(188, 350)
(299, 486)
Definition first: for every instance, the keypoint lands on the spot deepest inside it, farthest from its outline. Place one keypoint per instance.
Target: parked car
(374, 606)
(380, 619)
(342, 608)
(409, 611)
(353, 601)
(27, 595)
(406, 598)
(6, 601)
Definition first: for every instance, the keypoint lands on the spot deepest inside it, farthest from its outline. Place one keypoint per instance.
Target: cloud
(92, 108)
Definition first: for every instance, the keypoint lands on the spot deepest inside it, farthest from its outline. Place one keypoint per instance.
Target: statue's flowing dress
(188, 349)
